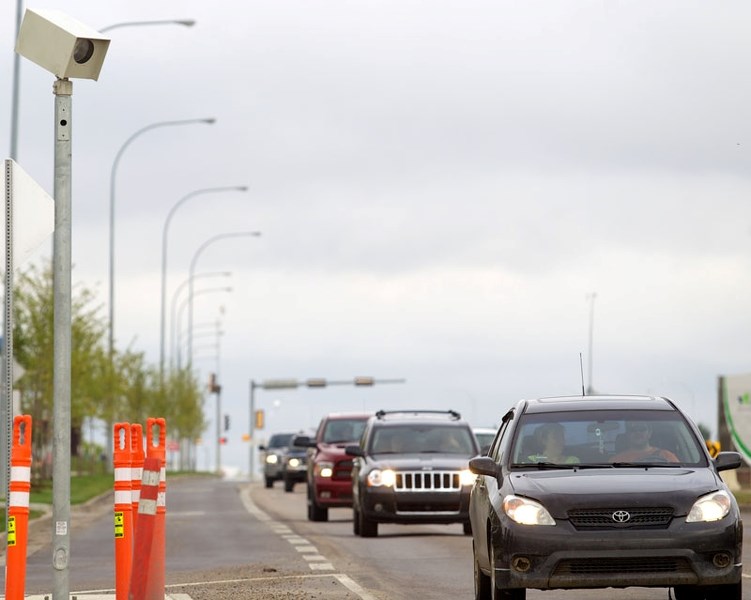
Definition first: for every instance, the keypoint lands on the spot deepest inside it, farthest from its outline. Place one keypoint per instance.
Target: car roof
(600, 402)
(344, 415)
(390, 417)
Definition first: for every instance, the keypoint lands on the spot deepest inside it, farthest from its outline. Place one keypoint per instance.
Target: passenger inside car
(550, 438)
(639, 445)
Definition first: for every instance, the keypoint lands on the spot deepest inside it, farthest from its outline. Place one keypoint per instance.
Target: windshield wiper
(646, 465)
(547, 465)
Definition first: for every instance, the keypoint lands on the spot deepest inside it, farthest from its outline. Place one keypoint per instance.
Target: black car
(412, 467)
(272, 457)
(603, 491)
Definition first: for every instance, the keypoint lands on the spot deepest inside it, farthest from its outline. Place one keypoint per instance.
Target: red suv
(329, 468)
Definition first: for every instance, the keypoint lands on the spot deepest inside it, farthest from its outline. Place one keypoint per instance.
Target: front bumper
(384, 505)
(543, 557)
(331, 492)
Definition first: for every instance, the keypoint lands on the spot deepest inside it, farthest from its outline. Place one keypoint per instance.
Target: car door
(485, 494)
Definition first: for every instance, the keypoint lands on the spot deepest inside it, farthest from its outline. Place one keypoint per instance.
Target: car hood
(425, 462)
(560, 491)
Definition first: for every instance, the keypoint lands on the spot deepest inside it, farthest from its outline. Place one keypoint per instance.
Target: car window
(496, 450)
(423, 438)
(606, 437)
(280, 440)
(343, 430)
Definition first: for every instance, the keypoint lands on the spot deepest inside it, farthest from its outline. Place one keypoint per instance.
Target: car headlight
(526, 512)
(711, 507)
(467, 477)
(294, 462)
(378, 477)
(272, 459)
(325, 469)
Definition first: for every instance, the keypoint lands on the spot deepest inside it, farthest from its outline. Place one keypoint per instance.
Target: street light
(178, 204)
(203, 246)
(189, 302)
(184, 22)
(173, 306)
(67, 49)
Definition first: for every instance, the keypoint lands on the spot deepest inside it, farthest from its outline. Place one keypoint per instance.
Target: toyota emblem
(621, 516)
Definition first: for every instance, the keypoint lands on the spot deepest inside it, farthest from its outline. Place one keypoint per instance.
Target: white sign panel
(737, 403)
(33, 213)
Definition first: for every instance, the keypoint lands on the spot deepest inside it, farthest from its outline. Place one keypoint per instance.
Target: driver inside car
(640, 448)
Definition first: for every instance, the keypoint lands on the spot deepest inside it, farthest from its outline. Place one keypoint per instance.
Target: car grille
(607, 518)
(427, 481)
(342, 470)
(618, 566)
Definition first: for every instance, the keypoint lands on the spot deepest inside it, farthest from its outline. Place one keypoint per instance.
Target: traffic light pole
(288, 384)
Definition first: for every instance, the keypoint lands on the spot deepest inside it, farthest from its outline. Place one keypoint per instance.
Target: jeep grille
(427, 481)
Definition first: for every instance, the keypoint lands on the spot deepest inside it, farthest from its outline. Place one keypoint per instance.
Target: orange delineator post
(18, 508)
(157, 448)
(144, 538)
(121, 458)
(137, 456)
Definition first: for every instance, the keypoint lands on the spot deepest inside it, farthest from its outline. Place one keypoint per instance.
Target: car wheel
(367, 527)
(691, 592)
(269, 482)
(355, 521)
(317, 513)
(467, 528)
(502, 593)
(289, 485)
(482, 581)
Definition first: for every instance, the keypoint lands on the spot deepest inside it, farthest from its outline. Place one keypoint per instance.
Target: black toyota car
(412, 467)
(603, 491)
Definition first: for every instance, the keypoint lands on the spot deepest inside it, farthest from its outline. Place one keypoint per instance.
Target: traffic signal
(214, 387)
(223, 441)
(259, 418)
(226, 422)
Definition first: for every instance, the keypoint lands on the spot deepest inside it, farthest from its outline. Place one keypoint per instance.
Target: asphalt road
(231, 540)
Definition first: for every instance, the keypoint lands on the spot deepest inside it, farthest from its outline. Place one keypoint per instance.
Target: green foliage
(124, 388)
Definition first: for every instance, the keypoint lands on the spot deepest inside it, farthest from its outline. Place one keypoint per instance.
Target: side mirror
(261, 447)
(354, 451)
(484, 465)
(303, 441)
(727, 460)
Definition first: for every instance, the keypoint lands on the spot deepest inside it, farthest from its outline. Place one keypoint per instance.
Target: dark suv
(604, 491)
(272, 457)
(412, 467)
(329, 473)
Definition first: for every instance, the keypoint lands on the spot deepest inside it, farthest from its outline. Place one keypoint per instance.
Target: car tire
(497, 593)
(368, 528)
(316, 512)
(269, 482)
(482, 581)
(289, 485)
(467, 528)
(355, 521)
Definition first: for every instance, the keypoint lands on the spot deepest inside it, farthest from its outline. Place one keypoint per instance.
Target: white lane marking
(315, 557)
(345, 580)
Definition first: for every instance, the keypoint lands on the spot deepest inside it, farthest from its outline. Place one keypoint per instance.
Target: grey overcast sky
(440, 185)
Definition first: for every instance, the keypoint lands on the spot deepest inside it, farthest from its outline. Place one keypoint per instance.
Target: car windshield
(280, 440)
(612, 438)
(423, 438)
(343, 430)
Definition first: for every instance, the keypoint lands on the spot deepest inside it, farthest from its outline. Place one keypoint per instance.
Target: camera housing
(62, 45)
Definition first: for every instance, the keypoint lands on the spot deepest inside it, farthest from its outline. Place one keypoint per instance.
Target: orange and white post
(18, 508)
(137, 456)
(144, 538)
(121, 458)
(156, 447)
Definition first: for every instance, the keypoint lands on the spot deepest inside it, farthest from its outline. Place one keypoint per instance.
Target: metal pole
(591, 297)
(16, 85)
(63, 90)
(218, 428)
(7, 392)
(165, 229)
(251, 429)
(190, 282)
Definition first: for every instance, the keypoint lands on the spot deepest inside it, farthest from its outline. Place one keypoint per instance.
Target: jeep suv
(272, 457)
(329, 468)
(604, 491)
(412, 467)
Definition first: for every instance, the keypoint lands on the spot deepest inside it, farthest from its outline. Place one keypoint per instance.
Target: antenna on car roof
(581, 369)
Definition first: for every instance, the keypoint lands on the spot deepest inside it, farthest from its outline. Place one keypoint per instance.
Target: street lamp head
(209, 121)
(186, 22)
(62, 45)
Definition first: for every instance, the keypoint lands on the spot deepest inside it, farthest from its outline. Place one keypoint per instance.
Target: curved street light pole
(173, 305)
(189, 302)
(184, 22)
(167, 221)
(118, 156)
(203, 246)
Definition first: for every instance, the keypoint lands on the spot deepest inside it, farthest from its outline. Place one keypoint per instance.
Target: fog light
(378, 507)
(521, 564)
(721, 560)
(325, 494)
